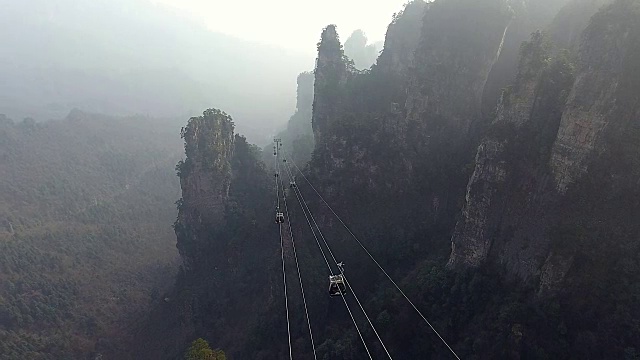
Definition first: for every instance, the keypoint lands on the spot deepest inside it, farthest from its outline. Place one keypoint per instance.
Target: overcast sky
(294, 24)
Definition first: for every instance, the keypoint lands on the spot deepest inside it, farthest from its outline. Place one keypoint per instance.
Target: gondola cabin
(336, 285)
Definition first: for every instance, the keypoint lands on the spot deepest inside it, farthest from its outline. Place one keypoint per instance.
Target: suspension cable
(340, 268)
(367, 316)
(298, 195)
(286, 299)
(284, 273)
(295, 255)
(313, 232)
(376, 262)
(342, 273)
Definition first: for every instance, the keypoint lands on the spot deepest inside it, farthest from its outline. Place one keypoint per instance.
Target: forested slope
(86, 244)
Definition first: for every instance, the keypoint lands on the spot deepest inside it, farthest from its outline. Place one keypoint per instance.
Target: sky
(292, 24)
(156, 57)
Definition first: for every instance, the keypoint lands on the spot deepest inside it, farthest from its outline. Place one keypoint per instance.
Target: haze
(292, 24)
(168, 58)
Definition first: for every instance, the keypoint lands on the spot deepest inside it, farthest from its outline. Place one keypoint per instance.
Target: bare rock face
(529, 16)
(572, 19)
(205, 177)
(461, 40)
(401, 41)
(553, 272)
(486, 191)
(346, 142)
(459, 43)
(472, 238)
(602, 99)
(331, 74)
(551, 126)
(503, 216)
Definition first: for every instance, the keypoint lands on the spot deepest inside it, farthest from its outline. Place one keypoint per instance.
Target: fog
(166, 58)
(291, 24)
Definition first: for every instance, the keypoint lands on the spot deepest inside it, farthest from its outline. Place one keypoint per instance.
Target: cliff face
(401, 41)
(300, 122)
(568, 25)
(540, 146)
(529, 16)
(548, 126)
(506, 194)
(602, 98)
(407, 126)
(356, 116)
(227, 241)
(331, 74)
(460, 42)
(297, 138)
(205, 177)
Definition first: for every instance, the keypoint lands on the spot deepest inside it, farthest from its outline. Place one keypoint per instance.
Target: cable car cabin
(336, 285)
(279, 218)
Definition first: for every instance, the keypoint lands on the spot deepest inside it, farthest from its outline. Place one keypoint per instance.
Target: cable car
(279, 218)
(336, 285)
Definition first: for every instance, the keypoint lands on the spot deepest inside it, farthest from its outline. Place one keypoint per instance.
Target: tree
(200, 350)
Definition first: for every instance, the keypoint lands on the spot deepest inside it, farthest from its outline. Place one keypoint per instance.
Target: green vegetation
(85, 244)
(227, 242)
(200, 350)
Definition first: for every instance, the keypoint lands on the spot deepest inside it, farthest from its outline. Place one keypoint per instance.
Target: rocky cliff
(602, 99)
(227, 242)
(539, 146)
(529, 16)
(507, 192)
(355, 115)
(331, 74)
(530, 206)
(205, 177)
(401, 41)
(460, 42)
(572, 19)
(297, 138)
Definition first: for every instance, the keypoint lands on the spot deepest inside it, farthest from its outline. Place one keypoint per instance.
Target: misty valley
(466, 186)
